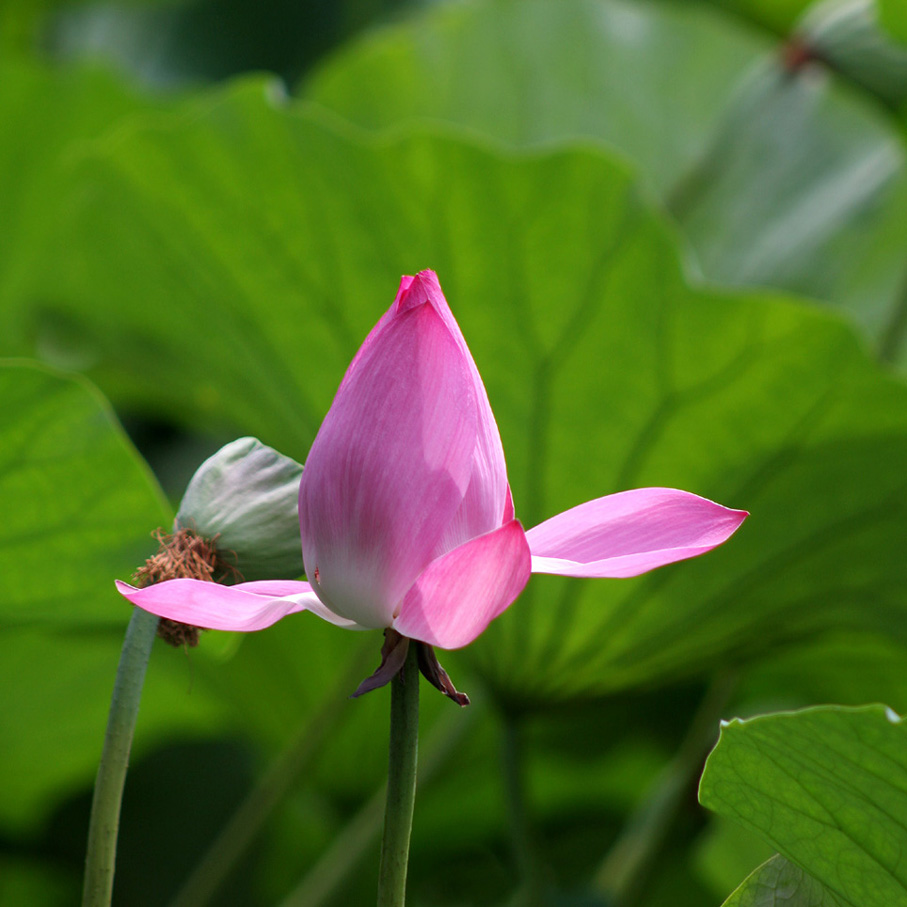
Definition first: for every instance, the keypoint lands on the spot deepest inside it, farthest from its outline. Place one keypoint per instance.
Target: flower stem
(401, 782)
(528, 865)
(108, 790)
(353, 842)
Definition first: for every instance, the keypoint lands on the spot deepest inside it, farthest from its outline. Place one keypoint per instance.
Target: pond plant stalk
(349, 846)
(529, 865)
(180, 554)
(104, 825)
(401, 782)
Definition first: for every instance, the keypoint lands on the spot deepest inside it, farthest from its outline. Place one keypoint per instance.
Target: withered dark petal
(393, 656)
(436, 675)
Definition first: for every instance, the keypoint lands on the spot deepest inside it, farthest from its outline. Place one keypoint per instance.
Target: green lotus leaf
(826, 787)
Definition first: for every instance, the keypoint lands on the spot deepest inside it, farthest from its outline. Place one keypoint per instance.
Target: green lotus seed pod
(245, 498)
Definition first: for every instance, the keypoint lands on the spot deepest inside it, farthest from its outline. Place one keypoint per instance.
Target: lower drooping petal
(630, 533)
(243, 607)
(460, 593)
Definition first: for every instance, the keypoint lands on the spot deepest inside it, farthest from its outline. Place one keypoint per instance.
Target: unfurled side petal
(389, 468)
(460, 593)
(243, 607)
(484, 505)
(630, 533)
(291, 593)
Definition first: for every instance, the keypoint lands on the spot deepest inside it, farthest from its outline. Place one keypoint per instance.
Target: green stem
(108, 790)
(353, 842)
(253, 813)
(891, 341)
(401, 782)
(620, 876)
(529, 867)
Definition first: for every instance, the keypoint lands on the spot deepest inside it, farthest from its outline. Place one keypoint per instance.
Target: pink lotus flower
(406, 516)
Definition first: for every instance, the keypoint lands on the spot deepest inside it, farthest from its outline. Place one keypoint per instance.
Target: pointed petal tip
(630, 533)
(406, 281)
(426, 279)
(735, 519)
(417, 290)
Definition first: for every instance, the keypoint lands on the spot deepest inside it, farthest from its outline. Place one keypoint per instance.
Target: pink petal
(292, 593)
(389, 468)
(243, 607)
(508, 506)
(484, 505)
(630, 533)
(459, 594)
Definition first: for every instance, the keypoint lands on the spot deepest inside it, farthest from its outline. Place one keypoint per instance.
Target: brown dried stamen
(182, 555)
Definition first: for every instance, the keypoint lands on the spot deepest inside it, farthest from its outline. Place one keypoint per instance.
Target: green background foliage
(678, 258)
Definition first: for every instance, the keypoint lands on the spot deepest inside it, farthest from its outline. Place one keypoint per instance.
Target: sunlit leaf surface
(780, 176)
(577, 68)
(78, 501)
(47, 116)
(827, 787)
(893, 17)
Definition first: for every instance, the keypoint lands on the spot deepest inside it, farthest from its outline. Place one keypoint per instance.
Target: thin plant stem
(401, 782)
(891, 342)
(252, 814)
(529, 868)
(351, 844)
(104, 825)
(620, 875)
